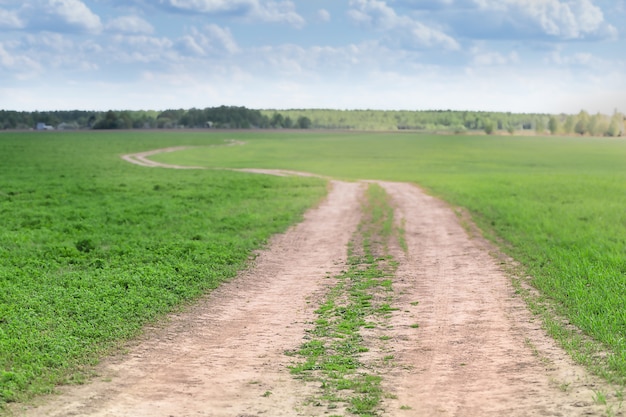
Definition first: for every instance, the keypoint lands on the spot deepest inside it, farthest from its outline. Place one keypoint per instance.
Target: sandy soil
(477, 351)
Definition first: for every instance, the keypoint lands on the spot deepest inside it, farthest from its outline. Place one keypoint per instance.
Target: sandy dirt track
(141, 158)
(477, 351)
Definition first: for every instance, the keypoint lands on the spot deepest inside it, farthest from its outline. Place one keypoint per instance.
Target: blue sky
(497, 55)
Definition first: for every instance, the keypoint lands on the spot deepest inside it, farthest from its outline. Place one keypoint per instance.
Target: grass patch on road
(360, 299)
(92, 247)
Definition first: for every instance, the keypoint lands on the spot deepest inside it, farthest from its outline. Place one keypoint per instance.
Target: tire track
(477, 351)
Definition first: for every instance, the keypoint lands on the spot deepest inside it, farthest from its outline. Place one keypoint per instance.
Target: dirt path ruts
(477, 351)
(141, 158)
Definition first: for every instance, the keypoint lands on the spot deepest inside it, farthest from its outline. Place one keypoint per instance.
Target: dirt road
(477, 351)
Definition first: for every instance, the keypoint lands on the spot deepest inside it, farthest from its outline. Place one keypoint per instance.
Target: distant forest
(232, 117)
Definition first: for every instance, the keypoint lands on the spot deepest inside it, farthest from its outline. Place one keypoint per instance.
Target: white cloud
(427, 4)
(60, 16)
(188, 45)
(144, 42)
(488, 59)
(563, 19)
(48, 42)
(377, 15)
(579, 58)
(582, 61)
(211, 41)
(91, 48)
(48, 52)
(323, 15)
(572, 19)
(279, 12)
(74, 13)
(559, 19)
(22, 66)
(287, 62)
(223, 37)
(139, 49)
(427, 36)
(337, 63)
(130, 24)
(265, 11)
(10, 20)
(6, 60)
(211, 6)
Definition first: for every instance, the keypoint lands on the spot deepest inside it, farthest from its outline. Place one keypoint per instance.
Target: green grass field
(92, 247)
(557, 205)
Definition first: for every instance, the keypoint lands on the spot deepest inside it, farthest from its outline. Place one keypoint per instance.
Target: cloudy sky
(507, 55)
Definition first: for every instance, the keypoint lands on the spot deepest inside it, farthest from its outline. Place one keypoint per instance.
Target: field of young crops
(92, 247)
(556, 205)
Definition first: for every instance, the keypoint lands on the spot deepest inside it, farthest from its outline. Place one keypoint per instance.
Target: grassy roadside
(92, 247)
(360, 299)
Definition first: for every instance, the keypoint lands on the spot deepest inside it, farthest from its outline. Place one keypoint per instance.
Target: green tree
(613, 129)
(125, 120)
(582, 123)
(598, 125)
(110, 121)
(277, 120)
(488, 126)
(568, 126)
(540, 125)
(510, 128)
(616, 125)
(304, 122)
(553, 125)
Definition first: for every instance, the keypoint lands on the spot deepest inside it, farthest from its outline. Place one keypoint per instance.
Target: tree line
(223, 117)
(459, 121)
(233, 117)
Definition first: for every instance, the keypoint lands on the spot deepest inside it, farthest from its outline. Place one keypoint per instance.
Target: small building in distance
(43, 126)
